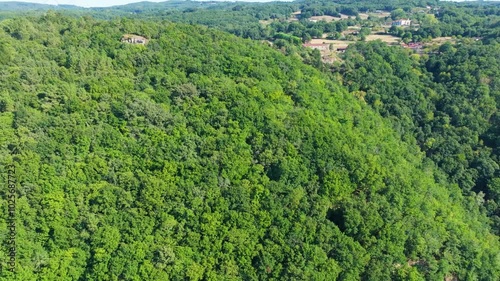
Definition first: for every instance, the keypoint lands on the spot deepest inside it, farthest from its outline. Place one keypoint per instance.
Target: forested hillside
(447, 102)
(203, 156)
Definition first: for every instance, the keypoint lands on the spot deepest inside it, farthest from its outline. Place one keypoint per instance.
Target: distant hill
(138, 6)
(141, 9)
(146, 6)
(23, 6)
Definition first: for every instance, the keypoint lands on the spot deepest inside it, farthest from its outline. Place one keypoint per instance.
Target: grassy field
(329, 18)
(363, 16)
(389, 39)
(441, 40)
(381, 15)
(336, 43)
(265, 22)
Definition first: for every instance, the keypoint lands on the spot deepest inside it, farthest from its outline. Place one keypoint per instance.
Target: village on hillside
(376, 25)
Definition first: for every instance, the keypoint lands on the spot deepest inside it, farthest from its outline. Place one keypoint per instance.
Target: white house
(402, 22)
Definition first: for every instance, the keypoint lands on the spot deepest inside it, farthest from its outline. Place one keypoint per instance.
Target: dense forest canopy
(204, 156)
(448, 103)
(222, 160)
